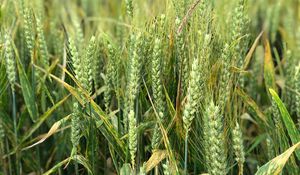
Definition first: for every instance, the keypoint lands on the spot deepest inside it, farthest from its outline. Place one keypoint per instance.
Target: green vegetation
(150, 87)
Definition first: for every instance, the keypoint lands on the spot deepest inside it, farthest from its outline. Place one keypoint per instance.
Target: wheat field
(156, 87)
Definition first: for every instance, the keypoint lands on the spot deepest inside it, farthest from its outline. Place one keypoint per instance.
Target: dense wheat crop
(150, 87)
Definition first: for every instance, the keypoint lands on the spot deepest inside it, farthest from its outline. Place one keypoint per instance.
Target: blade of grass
(108, 131)
(288, 121)
(251, 51)
(269, 70)
(52, 130)
(43, 118)
(164, 133)
(78, 158)
(27, 91)
(252, 104)
(276, 165)
(155, 159)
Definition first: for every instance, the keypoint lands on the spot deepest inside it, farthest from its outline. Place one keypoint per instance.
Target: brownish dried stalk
(188, 14)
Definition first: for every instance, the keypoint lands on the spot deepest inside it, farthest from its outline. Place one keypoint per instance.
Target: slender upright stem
(138, 136)
(76, 169)
(2, 152)
(185, 152)
(8, 157)
(92, 132)
(241, 169)
(33, 80)
(14, 114)
(156, 170)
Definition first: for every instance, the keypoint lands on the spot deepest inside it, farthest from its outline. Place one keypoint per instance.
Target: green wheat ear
(82, 65)
(10, 62)
(88, 61)
(214, 143)
(191, 106)
(129, 8)
(75, 58)
(276, 114)
(182, 60)
(98, 63)
(157, 89)
(239, 30)
(270, 147)
(133, 83)
(133, 73)
(238, 146)
(110, 77)
(28, 30)
(79, 32)
(233, 56)
(193, 97)
(132, 137)
(75, 128)
(42, 43)
(225, 77)
(196, 87)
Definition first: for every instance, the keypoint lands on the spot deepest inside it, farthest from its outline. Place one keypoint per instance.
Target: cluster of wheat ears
(150, 87)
